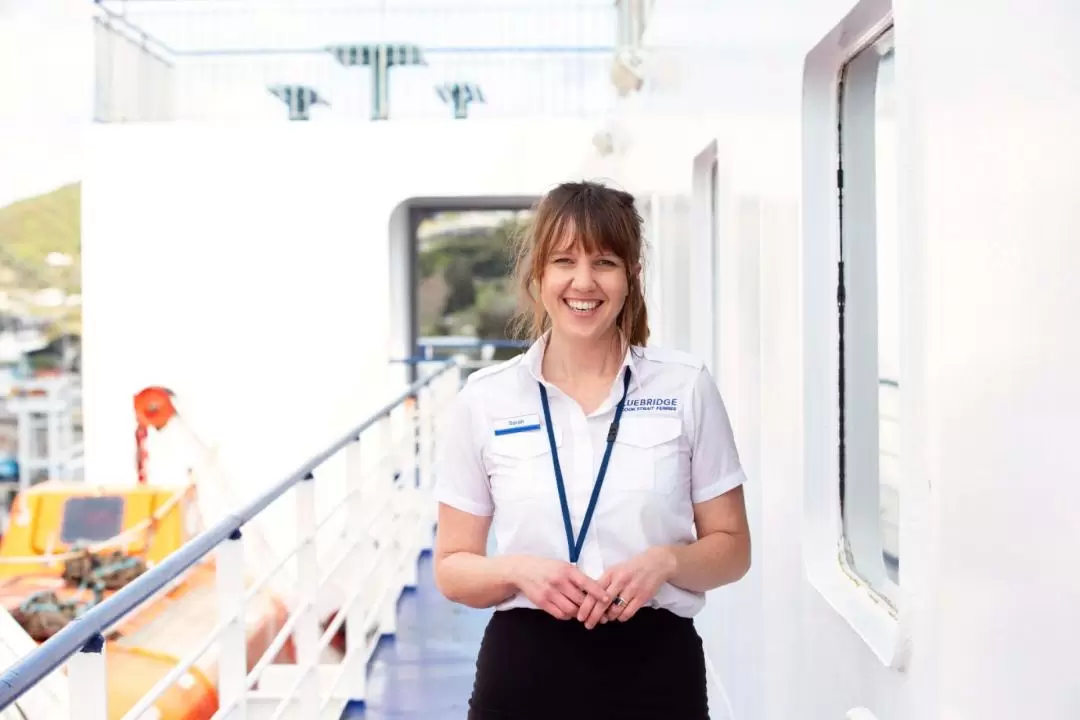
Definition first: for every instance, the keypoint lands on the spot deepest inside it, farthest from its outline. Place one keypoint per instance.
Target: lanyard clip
(613, 431)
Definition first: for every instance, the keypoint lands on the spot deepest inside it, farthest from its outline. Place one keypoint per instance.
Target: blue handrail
(450, 341)
(438, 343)
(86, 631)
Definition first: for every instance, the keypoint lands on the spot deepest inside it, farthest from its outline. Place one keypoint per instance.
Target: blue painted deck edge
(424, 670)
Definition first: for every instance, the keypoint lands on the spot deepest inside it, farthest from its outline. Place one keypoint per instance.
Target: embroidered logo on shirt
(652, 404)
(522, 423)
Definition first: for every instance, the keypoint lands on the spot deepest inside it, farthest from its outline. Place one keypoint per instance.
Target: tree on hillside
(433, 293)
(494, 308)
(40, 258)
(463, 286)
(459, 278)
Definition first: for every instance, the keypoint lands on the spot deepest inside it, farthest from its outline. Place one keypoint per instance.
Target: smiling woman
(590, 577)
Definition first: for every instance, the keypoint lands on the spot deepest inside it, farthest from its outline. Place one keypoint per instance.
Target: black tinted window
(91, 519)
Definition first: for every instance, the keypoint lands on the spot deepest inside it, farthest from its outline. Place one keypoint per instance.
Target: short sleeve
(714, 459)
(460, 479)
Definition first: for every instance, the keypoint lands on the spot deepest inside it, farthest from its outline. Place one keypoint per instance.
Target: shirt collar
(534, 357)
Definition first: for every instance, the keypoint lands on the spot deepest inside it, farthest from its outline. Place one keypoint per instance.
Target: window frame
(862, 542)
(709, 192)
(882, 624)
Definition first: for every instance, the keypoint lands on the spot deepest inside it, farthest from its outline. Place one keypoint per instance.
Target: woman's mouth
(583, 307)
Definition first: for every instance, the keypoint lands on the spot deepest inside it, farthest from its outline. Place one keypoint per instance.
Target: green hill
(31, 230)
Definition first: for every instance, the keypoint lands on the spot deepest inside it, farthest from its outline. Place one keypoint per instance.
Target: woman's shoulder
(490, 375)
(500, 379)
(685, 373)
(669, 356)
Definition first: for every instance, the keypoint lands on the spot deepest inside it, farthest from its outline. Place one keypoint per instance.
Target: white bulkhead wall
(987, 215)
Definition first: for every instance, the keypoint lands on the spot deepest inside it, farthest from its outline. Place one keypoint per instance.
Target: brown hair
(603, 220)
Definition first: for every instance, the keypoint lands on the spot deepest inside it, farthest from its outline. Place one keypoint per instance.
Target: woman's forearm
(717, 559)
(475, 580)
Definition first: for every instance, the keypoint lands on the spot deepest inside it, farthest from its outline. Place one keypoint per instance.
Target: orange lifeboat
(48, 574)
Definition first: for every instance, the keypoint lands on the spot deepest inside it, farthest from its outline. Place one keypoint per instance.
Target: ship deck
(426, 670)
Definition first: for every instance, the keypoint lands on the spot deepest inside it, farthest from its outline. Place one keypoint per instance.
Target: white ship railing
(389, 521)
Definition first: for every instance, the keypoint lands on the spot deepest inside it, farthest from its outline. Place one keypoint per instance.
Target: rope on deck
(44, 613)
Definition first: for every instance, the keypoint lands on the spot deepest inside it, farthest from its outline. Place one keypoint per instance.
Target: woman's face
(583, 292)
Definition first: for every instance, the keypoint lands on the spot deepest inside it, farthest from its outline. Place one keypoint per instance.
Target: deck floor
(427, 669)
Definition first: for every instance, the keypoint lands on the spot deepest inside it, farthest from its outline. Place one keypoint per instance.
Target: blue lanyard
(575, 547)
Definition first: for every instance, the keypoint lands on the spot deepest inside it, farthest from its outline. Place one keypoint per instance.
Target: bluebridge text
(654, 404)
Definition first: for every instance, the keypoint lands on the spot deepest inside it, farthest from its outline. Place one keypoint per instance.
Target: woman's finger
(597, 614)
(631, 608)
(586, 608)
(572, 592)
(566, 609)
(621, 598)
(553, 610)
(580, 580)
(615, 609)
(594, 616)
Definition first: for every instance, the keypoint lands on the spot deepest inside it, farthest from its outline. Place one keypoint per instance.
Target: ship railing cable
(88, 630)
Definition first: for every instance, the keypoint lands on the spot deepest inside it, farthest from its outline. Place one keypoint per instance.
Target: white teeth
(583, 306)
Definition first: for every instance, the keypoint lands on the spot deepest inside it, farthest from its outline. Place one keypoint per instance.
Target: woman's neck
(567, 360)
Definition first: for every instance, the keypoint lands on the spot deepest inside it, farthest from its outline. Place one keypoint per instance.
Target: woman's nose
(583, 276)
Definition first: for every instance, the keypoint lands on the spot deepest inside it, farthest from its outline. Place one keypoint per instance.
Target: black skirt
(534, 666)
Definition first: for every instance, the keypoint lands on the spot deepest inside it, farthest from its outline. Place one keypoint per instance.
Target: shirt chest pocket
(648, 455)
(520, 464)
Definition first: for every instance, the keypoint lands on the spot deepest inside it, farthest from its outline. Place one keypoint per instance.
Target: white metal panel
(983, 215)
(134, 79)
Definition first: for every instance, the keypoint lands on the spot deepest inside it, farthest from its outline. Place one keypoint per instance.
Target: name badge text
(522, 423)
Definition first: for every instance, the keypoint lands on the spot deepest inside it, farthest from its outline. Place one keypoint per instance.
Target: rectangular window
(91, 519)
(868, 295)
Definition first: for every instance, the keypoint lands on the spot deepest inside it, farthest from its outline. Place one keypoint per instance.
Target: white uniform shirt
(674, 447)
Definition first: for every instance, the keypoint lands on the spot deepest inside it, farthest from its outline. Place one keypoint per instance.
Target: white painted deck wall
(987, 217)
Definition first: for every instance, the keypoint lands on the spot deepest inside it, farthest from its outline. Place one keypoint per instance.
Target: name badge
(523, 423)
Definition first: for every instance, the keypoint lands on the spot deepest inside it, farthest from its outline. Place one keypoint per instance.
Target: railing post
(87, 686)
(232, 665)
(389, 456)
(396, 456)
(427, 419)
(389, 572)
(423, 512)
(355, 632)
(307, 628)
(412, 416)
(414, 511)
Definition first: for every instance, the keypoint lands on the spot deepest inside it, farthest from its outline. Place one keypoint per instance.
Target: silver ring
(618, 601)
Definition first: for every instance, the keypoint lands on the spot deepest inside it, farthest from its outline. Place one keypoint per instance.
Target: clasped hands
(564, 592)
